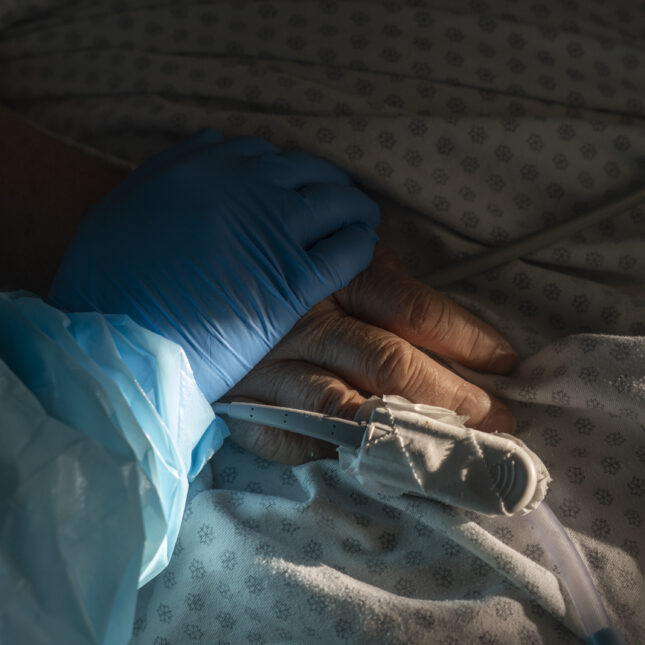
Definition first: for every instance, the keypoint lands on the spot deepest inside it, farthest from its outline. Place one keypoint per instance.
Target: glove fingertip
(316, 169)
(342, 256)
(248, 146)
(332, 207)
(208, 135)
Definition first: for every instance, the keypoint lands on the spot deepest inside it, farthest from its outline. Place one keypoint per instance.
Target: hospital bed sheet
(473, 123)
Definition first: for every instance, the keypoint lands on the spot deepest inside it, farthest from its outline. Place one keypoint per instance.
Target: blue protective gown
(102, 427)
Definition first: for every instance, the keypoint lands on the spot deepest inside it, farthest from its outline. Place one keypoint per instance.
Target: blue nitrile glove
(221, 246)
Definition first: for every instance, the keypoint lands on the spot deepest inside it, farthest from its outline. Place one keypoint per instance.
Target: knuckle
(461, 396)
(397, 370)
(309, 336)
(471, 342)
(326, 394)
(335, 400)
(441, 320)
(322, 335)
(470, 400)
(429, 313)
(352, 294)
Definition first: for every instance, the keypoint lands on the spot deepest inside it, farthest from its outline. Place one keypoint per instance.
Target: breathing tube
(590, 612)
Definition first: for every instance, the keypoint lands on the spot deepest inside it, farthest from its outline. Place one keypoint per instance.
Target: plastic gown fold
(101, 428)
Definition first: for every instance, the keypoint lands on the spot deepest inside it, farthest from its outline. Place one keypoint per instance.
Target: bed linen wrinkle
(473, 123)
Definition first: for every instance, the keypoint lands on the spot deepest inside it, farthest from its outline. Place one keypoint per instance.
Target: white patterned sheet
(473, 123)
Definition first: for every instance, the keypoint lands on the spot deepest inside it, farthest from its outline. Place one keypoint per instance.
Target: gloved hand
(221, 246)
(364, 339)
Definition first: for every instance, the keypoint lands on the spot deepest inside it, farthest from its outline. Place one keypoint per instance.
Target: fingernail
(499, 420)
(503, 360)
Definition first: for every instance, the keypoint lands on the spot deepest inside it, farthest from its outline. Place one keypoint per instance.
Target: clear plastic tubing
(591, 613)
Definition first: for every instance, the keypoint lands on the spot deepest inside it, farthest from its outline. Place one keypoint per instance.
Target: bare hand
(363, 338)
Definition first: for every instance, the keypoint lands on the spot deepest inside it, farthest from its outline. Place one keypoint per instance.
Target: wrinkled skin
(363, 339)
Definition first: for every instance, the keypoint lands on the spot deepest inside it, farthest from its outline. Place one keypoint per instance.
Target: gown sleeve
(102, 427)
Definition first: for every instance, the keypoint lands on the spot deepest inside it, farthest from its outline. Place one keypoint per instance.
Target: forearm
(46, 186)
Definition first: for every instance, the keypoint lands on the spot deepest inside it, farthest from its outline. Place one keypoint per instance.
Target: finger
(340, 257)
(326, 208)
(226, 154)
(295, 170)
(295, 384)
(274, 444)
(385, 255)
(229, 152)
(374, 360)
(204, 138)
(242, 147)
(425, 317)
